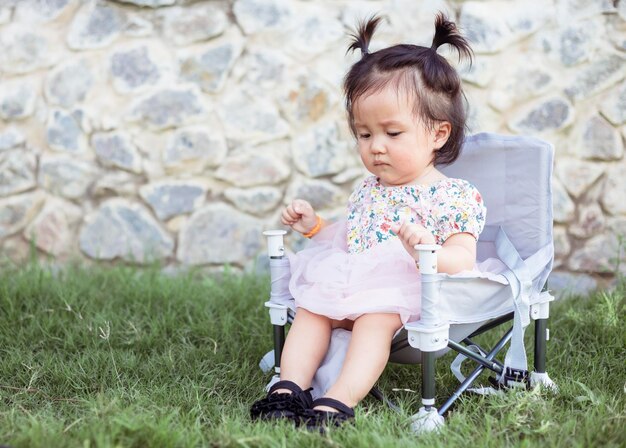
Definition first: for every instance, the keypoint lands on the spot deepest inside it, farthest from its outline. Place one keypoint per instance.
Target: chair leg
(428, 380)
(427, 418)
(539, 377)
(541, 336)
(279, 343)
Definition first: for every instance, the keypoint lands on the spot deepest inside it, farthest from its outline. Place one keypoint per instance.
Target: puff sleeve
(462, 211)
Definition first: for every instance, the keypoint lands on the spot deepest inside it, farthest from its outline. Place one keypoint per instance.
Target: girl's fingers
(292, 213)
(302, 207)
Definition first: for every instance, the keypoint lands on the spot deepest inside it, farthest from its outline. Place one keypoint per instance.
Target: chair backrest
(513, 174)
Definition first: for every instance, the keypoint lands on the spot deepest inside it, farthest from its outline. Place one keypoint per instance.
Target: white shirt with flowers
(446, 207)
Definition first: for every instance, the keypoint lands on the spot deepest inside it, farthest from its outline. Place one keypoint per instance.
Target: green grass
(122, 357)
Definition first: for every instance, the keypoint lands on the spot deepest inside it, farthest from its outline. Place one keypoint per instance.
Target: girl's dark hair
(420, 71)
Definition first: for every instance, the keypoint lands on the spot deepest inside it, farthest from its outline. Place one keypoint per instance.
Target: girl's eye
(364, 136)
(393, 134)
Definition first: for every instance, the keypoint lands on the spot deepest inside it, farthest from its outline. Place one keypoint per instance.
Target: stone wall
(175, 130)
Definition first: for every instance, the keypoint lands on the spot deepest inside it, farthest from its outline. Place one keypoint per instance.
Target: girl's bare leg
(367, 356)
(306, 346)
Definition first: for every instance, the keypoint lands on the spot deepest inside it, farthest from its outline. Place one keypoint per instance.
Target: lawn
(126, 357)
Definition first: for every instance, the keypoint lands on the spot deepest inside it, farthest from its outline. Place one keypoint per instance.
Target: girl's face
(394, 145)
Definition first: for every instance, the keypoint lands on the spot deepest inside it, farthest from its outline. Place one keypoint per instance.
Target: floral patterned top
(445, 207)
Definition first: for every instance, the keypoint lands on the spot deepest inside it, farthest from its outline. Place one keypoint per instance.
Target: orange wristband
(316, 228)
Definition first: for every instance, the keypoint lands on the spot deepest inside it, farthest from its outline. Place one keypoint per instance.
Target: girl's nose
(378, 145)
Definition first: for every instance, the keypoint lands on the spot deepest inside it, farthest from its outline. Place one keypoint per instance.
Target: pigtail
(446, 32)
(363, 35)
(437, 73)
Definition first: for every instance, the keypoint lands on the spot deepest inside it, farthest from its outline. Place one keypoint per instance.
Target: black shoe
(283, 405)
(317, 420)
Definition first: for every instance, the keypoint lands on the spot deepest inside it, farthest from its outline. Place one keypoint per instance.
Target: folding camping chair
(514, 256)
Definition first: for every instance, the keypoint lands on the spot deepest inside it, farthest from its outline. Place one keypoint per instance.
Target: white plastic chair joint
(541, 309)
(278, 313)
(428, 338)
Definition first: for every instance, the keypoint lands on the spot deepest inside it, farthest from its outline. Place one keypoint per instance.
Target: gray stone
(563, 206)
(170, 198)
(262, 67)
(480, 73)
(53, 228)
(218, 233)
(262, 15)
(577, 176)
(10, 138)
(597, 255)
(614, 106)
(621, 9)
(617, 226)
(66, 176)
(306, 100)
(24, 50)
(577, 43)
(320, 193)
(320, 151)
(409, 15)
(17, 171)
(126, 230)
(17, 99)
(492, 26)
(349, 175)
(40, 11)
(133, 69)
(69, 83)
(254, 200)
(600, 140)
(5, 15)
(17, 211)
(138, 26)
(565, 284)
(613, 199)
(562, 245)
(117, 183)
(568, 11)
(210, 68)
(606, 70)
(517, 83)
(196, 23)
(250, 118)
(547, 115)
(192, 149)
(64, 131)
(148, 3)
(168, 107)
(315, 30)
(252, 167)
(16, 249)
(590, 221)
(95, 25)
(115, 149)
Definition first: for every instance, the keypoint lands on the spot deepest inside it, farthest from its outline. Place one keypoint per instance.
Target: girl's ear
(441, 134)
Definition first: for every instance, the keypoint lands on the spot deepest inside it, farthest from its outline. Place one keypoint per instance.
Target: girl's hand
(412, 234)
(300, 216)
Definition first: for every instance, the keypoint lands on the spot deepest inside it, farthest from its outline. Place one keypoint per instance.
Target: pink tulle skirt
(327, 280)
